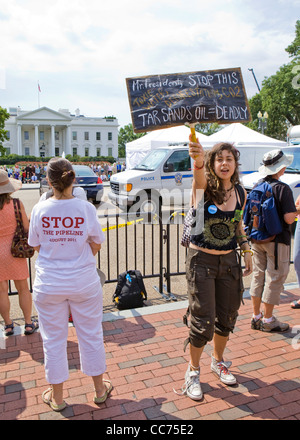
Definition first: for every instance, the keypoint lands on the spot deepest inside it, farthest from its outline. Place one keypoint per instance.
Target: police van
(291, 175)
(164, 177)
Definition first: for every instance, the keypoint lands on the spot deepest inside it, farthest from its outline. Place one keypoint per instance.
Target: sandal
(109, 387)
(48, 401)
(9, 326)
(34, 326)
(295, 305)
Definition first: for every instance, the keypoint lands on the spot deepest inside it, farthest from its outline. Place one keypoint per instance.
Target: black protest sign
(161, 101)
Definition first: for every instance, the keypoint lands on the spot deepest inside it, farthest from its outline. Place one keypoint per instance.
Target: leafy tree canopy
(208, 129)
(3, 133)
(126, 134)
(294, 48)
(280, 95)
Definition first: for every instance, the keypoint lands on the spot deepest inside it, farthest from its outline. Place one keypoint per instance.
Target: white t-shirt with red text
(63, 229)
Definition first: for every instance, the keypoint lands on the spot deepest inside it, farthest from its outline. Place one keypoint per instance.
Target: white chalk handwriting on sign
(161, 101)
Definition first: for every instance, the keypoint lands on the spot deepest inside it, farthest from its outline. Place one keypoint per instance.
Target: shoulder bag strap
(241, 193)
(17, 208)
(141, 284)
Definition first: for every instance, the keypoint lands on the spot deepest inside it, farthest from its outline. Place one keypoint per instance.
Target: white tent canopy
(240, 135)
(138, 149)
(236, 133)
(251, 144)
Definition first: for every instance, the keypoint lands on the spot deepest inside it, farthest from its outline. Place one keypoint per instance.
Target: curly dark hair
(215, 190)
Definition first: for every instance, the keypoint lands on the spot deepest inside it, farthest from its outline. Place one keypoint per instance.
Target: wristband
(198, 168)
(243, 252)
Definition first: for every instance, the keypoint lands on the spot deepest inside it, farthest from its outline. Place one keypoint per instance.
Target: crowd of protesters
(213, 266)
(106, 170)
(33, 172)
(29, 173)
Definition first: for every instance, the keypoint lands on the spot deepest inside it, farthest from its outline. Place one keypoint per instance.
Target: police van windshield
(295, 165)
(152, 160)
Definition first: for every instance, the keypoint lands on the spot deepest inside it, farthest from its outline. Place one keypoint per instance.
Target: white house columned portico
(46, 133)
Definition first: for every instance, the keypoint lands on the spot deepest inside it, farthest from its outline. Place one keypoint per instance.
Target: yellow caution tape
(122, 225)
(177, 213)
(155, 218)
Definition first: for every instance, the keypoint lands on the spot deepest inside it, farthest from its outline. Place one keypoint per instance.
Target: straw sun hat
(8, 185)
(274, 161)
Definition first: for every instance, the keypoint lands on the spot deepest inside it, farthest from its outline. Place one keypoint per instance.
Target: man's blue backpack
(261, 219)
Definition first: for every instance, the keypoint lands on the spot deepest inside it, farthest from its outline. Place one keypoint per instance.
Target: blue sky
(81, 52)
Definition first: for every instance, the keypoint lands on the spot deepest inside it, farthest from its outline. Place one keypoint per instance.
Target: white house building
(46, 133)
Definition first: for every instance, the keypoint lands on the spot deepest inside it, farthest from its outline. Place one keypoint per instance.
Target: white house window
(42, 135)
(57, 135)
(56, 151)
(26, 135)
(98, 136)
(74, 151)
(86, 136)
(109, 151)
(110, 136)
(8, 135)
(98, 154)
(74, 135)
(27, 151)
(86, 152)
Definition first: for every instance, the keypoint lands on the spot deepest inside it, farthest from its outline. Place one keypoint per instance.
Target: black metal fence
(144, 243)
(151, 245)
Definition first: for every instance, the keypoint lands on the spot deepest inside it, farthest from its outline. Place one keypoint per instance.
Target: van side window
(178, 161)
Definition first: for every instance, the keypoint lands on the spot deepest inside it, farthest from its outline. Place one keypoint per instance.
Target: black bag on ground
(130, 292)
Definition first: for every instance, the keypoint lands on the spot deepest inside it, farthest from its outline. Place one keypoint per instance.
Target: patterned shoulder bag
(20, 247)
(187, 227)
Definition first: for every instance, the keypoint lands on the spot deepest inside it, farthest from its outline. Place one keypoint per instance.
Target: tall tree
(3, 133)
(126, 134)
(294, 48)
(280, 95)
(208, 129)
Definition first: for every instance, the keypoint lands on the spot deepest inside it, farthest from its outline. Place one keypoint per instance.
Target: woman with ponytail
(66, 233)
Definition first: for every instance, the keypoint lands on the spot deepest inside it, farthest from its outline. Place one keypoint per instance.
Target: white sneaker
(221, 369)
(192, 387)
(192, 384)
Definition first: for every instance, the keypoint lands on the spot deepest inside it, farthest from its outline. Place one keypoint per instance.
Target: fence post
(161, 256)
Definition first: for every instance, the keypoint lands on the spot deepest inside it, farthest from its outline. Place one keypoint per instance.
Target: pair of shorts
(215, 292)
(267, 282)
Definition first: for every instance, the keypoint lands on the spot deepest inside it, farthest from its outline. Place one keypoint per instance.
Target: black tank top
(219, 227)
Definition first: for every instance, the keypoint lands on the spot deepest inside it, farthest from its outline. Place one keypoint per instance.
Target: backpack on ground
(130, 292)
(261, 219)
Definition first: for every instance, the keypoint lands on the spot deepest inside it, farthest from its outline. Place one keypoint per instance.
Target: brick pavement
(145, 361)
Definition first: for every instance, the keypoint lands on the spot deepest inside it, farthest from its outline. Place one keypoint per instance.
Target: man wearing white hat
(267, 281)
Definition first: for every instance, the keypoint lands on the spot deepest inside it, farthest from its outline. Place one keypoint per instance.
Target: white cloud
(82, 51)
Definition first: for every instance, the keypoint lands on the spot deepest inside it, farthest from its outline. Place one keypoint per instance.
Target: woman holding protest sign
(66, 233)
(213, 269)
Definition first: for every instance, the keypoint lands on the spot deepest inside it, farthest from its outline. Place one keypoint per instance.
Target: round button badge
(212, 209)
